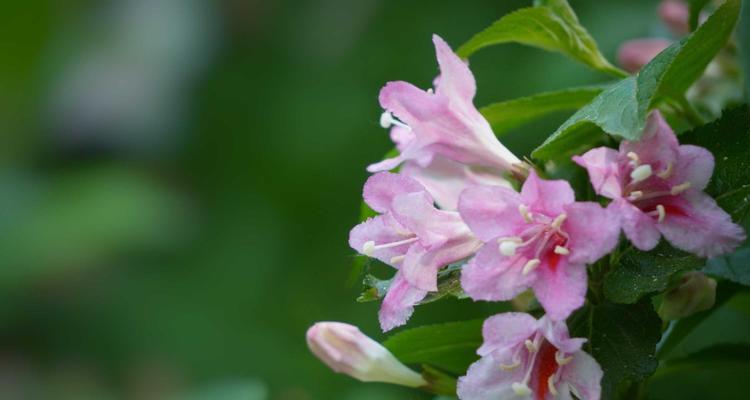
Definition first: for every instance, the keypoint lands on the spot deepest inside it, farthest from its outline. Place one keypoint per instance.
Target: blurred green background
(178, 178)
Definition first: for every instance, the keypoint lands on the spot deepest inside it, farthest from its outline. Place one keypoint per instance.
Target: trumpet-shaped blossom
(412, 236)
(525, 358)
(444, 178)
(347, 350)
(444, 121)
(539, 238)
(657, 189)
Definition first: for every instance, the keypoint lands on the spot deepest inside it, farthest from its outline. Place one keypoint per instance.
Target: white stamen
(557, 223)
(524, 210)
(531, 346)
(641, 173)
(397, 259)
(430, 91)
(520, 389)
(634, 159)
(561, 251)
(387, 120)
(510, 367)
(551, 385)
(530, 266)
(635, 195)
(368, 248)
(662, 212)
(561, 359)
(680, 188)
(667, 172)
(508, 248)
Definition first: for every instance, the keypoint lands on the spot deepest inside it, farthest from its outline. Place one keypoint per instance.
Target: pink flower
(412, 236)
(444, 122)
(540, 238)
(347, 350)
(657, 187)
(527, 358)
(634, 54)
(675, 14)
(444, 178)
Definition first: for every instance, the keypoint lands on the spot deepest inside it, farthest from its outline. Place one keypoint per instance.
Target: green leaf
(719, 372)
(743, 44)
(510, 114)
(735, 266)
(695, 7)
(551, 26)
(640, 273)
(622, 338)
(450, 346)
(621, 110)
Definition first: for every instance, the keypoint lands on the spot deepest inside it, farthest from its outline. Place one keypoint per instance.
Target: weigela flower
(539, 238)
(657, 189)
(347, 350)
(444, 178)
(525, 358)
(412, 236)
(634, 54)
(444, 121)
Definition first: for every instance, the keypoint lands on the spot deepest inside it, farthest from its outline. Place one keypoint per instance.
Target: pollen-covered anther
(520, 389)
(397, 259)
(677, 189)
(634, 159)
(507, 246)
(563, 251)
(530, 266)
(641, 173)
(531, 346)
(525, 213)
(387, 120)
(510, 367)
(662, 212)
(667, 171)
(551, 385)
(368, 248)
(635, 195)
(560, 358)
(558, 221)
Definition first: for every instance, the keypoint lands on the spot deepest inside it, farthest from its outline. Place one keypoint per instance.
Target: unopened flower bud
(675, 14)
(347, 350)
(634, 54)
(696, 292)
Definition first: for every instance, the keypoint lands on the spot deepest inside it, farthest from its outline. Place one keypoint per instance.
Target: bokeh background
(178, 178)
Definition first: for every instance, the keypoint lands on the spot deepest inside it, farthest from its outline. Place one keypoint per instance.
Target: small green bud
(696, 292)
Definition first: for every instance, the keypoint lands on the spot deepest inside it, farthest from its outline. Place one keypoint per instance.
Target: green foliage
(551, 25)
(450, 346)
(621, 111)
(622, 338)
(640, 273)
(695, 7)
(734, 267)
(510, 114)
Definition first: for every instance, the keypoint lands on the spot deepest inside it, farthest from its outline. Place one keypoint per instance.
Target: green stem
(689, 112)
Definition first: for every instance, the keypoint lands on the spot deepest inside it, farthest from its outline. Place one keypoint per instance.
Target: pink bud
(675, 14)
(347, 350)
(696, 292)
(634, 54)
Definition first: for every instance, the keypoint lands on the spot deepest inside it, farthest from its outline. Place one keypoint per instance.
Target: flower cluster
(452, 200)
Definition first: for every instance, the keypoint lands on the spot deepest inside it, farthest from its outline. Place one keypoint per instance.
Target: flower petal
(417, 213)
(602, 164)
(381, 229)
(585, 375)
(561, 290)
(657, 147)
(556, 332)
(491, 211)
(494, 277)
(456, 79)
(504, 331)
(546, 196)
(695, 165)
(486, 380)
(381, 188)
(594, 231)
(639, 228)
(634, 54)
(398, 304)
(703, 228)
(421, 265)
